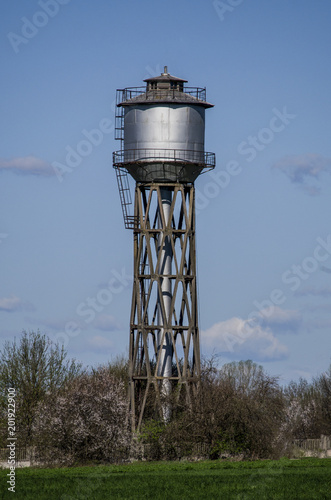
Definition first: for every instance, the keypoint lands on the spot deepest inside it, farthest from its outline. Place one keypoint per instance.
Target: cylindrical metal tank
(164, 126)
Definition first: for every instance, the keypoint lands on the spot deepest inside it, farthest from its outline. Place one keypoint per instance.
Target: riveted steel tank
(164, 129)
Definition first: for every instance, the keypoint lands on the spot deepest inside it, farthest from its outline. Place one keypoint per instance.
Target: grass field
(284, 479)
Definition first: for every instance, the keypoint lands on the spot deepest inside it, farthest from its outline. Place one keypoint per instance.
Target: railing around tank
(131, 92)
(204, 158)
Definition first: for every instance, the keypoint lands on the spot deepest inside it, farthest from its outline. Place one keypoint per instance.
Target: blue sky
(263, 230)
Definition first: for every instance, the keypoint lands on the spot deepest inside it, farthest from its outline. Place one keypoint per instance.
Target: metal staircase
(130, 221)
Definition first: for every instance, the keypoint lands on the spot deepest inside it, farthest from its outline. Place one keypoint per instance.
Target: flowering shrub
(85, 422)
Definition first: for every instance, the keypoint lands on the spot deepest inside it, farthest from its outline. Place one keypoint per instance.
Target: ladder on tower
(119, 124)
(130, 221)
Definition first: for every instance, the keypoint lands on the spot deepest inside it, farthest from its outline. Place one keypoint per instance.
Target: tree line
(74, 415)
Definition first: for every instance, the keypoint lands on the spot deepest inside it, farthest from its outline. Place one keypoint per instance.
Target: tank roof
(163, 89)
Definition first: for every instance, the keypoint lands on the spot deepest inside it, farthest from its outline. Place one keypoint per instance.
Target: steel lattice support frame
(153, 231)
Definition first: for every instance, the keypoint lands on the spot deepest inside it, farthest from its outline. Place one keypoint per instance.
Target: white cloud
(302, 169)
(27, 165)
(244, 338)
(11, 304)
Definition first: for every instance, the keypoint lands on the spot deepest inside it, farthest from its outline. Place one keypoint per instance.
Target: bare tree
(322, 386)
(302, 411)
(33, 366)
(252, 410)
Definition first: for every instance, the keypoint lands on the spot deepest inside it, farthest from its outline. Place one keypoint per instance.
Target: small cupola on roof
(165, 82)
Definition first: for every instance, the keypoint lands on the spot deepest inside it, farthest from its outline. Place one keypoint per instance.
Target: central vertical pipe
(165, 348)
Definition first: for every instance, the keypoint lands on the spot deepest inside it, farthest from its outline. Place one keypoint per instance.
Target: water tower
(161, 127)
